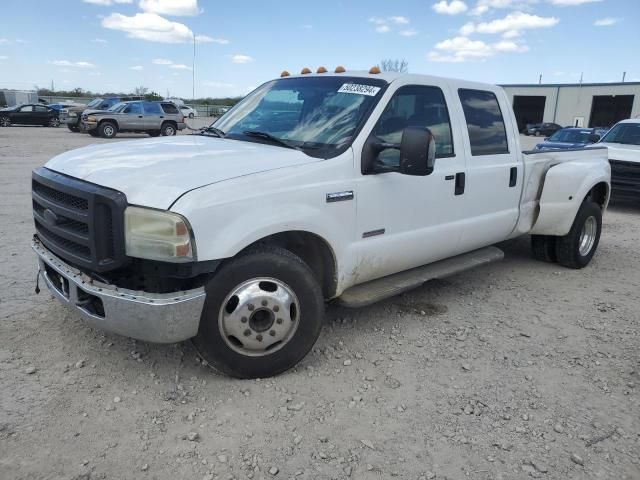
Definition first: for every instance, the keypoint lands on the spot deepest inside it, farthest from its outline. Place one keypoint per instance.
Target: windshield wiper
(268, 136)
(216, 131)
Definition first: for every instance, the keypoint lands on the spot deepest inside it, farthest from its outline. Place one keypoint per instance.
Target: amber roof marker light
(284, 73)
(321, 70)
(340, 69)
(374, 70)
(305, 71)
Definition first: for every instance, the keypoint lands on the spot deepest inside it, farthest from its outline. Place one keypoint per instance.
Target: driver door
(135, 117)
(407, 221)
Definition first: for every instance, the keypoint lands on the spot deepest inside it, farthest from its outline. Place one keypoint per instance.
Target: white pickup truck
(623, 143)
(349, 185)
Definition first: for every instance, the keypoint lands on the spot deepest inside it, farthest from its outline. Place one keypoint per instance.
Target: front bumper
(152, 317)
(69, 118)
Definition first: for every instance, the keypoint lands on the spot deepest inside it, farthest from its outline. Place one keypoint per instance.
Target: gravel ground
(519, 369)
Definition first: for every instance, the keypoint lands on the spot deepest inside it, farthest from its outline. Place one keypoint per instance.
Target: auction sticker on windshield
(359, 89)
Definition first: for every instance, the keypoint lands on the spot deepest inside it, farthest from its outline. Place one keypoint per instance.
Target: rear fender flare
(566, 185)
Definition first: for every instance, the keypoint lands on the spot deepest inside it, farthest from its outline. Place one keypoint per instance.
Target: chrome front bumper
(152, 317)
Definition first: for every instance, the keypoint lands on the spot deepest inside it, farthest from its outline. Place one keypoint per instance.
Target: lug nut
(279, 321)
(247, 332)
(243, 319)
(250, 307)
(272, 333)
(264, 303)
(259, 338)
(276, 308)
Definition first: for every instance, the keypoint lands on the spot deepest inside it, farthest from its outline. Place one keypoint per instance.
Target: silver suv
(154, 118)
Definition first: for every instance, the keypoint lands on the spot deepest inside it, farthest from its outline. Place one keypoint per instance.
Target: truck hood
(155, 172)
(622, 152)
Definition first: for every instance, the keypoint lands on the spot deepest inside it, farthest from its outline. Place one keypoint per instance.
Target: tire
(107, 130)
(576, 249)
(543, 248)
(5, 122)
(270, 278)
(168, 129)
(154, 133)
(54, 122)
(73, 128)
(191, 115)
(537, 133)
(93, 133)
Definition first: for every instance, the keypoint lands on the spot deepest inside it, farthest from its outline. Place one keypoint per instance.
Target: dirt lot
(519, 369)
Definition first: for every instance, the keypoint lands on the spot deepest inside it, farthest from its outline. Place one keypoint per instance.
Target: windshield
(571, 136)
(315, 113)
(117, 107)
(94, 103)
(627, 133)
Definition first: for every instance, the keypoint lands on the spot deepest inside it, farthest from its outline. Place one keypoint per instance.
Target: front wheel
(107, 130)
(191, 115)
(576, 249)
(5, 122)
(262, 314)
(54, 122)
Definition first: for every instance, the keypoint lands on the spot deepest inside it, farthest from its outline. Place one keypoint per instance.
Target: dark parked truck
(347, 186)
(73, 115)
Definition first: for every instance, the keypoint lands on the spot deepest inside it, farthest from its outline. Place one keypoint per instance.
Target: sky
(117, 45)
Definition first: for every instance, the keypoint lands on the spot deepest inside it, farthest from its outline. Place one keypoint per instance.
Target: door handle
(161, 116)
(513, 176)
(139, 116)
(460, 181)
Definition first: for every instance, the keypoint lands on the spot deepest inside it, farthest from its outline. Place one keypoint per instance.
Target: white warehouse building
(578, 105)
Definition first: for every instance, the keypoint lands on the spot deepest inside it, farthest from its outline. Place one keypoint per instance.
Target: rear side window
(151, 108)
(487, 133)
(169, 108)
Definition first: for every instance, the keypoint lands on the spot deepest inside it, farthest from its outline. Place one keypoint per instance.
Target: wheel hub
(259, 316)
(588, 236)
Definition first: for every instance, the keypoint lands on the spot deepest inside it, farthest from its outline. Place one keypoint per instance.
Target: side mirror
(417, 151)
(594, 138)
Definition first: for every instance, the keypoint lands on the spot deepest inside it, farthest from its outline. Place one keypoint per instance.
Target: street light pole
(193, 70)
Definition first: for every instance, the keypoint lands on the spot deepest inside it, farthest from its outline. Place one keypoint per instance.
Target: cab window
(414, 106)
(151, 108)
(133, 109)
(487, 133)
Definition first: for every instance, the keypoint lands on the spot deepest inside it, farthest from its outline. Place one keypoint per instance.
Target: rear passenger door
(134, 119)
(153, 116)
(494, 173)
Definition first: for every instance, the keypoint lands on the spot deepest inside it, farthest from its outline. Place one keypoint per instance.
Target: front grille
(625, 173)
(79, 221)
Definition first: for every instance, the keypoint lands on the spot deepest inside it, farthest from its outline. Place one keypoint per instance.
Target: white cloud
(383, 29)
(182, 8)
(207, 39)
(241, 58)
(484, 6)
(512, 23)
(137, 68)
(400, 20)
(67, 63)
(149, 26)
(571, 3)
(606, 22)
(454, 7)
(460, 49)
(409, 32)
(180, 66)
(161, 61)
(101, 41)
(107, 3)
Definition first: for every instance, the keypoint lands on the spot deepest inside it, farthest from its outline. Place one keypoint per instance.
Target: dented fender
(565, 187)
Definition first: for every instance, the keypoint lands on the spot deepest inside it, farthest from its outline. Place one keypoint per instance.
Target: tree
(394, 65)
(141, 91)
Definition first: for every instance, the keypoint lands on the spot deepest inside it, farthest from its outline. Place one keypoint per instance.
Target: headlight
(157, 235)
(73, 114)
(91, 119)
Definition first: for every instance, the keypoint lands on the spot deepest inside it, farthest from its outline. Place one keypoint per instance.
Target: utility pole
(193, 70)
(624, 74)
(540, 79)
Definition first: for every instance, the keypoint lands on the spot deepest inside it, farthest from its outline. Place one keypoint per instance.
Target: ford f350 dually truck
(352, 186)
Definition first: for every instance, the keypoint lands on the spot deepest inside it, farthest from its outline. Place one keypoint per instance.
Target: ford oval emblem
(50, 217)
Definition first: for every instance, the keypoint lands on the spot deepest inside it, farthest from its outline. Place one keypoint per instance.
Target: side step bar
(382, 288)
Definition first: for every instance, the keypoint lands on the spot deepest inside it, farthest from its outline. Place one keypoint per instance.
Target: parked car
(188, 111)
(154, 118)
(569, 138)
(236, 236)
(542, 129)
(29, 114)
(623, 143)
(73, 116)
(64, 105)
